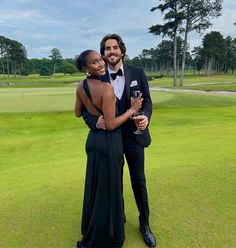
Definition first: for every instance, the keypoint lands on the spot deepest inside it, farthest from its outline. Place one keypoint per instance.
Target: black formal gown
(103, 215)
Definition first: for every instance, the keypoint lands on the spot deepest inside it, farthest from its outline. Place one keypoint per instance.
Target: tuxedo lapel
(127, 74)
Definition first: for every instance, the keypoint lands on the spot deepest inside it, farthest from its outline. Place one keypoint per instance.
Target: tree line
(13, 61)
(13, 56)
(180, 17)
(216, 55)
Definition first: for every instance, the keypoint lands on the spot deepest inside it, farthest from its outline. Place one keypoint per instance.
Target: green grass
(37, 99)
(220, 81)
(214, 87)
(59, 80)
(190, 171)
(35, 80)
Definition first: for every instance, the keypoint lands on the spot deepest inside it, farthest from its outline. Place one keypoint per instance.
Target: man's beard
(113, 62)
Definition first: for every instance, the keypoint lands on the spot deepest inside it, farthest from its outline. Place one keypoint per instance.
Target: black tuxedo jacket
(135, 79)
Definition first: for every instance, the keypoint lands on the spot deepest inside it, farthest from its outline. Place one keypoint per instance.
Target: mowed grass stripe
(36, 99)
(51, 90)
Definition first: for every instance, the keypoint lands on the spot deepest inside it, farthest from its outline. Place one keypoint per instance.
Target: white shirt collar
(111, 71)
(119, 83)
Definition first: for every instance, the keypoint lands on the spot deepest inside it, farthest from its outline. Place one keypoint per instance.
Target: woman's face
(95, 64)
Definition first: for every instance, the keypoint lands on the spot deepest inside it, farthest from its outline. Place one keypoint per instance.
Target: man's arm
(147, 101)
(92, 121)
(89, 119)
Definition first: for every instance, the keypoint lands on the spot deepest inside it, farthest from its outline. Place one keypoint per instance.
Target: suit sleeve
(147, 101)
(90, 120)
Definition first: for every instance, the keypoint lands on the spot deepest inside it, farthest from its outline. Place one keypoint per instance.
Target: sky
(75, 25)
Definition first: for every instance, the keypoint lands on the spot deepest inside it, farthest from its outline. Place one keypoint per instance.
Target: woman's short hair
(115, 37)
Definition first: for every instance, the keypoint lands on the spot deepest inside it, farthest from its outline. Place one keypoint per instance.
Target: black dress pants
(134, 154)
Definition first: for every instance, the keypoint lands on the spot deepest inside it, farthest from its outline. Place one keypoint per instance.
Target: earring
(88, 74)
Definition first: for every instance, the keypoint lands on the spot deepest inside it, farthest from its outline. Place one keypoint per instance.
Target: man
(126, 80)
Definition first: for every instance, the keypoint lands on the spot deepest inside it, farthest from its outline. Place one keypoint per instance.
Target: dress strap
(87, 91)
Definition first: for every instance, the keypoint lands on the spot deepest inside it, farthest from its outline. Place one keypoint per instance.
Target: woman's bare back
(100, 90)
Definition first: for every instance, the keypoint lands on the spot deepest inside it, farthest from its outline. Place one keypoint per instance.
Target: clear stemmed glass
(136, 93)
(137, 117)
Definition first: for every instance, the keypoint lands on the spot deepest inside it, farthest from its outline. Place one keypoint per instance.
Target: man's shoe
(79, 244)
(148, 236)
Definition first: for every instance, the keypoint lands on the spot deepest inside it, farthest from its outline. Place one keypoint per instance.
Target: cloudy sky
(75, 25)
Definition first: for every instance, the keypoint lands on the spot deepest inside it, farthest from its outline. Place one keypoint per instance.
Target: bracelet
(130, 113)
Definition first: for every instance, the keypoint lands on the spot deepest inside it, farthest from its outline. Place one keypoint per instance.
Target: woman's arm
(89, 119)
(78, 104)
(109, 108)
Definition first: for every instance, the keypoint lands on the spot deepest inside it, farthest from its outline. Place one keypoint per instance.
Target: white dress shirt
(119, 83)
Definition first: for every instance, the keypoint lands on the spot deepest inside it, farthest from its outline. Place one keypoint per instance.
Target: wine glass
(136, 93)
(137, 117)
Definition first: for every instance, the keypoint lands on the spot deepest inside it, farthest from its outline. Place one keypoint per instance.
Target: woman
(102, 218)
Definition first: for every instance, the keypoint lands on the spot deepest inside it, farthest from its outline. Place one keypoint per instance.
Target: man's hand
(101, 123)
(144, 123)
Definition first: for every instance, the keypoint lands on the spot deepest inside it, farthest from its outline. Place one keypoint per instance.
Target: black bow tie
(118, 73)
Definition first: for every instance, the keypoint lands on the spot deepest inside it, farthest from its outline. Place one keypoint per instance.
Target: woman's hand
(136, 103)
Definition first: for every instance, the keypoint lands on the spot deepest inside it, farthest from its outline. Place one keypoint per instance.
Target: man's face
(112, 52)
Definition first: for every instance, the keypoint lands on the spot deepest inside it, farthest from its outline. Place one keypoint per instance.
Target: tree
(5, 48)
(213, 51)
(165, 55)
(154, 59)
(216, 55)
(18, 56)
(56, 58)
(45, 71)
(45, 67)
(160, 57)
(13, 54)
(197, 53)
(173, 17)
(197, 15)
(230, 54)
(68, 68)
(145, 57)
(136, 61)
(3, 52)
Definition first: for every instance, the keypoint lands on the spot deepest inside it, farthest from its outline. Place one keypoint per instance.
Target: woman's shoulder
(107, 86)
(80, 86)
(107, 90)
